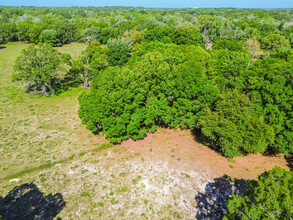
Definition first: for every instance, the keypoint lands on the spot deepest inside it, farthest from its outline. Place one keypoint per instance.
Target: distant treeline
(59, 26)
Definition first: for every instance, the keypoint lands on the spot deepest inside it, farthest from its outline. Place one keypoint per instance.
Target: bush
(234, 127)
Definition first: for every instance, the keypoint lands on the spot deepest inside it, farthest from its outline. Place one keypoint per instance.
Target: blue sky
(155, 3)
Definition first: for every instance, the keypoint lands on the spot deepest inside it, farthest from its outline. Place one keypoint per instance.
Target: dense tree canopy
(270, 197)
(275, 43)
(153, 90)
(187, 34)
(119, 52)
(234, 126)
(228, 68)
(50, 37)
(270, 84)
(232, 45)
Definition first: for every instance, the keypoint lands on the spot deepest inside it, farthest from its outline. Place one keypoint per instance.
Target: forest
(226, 75)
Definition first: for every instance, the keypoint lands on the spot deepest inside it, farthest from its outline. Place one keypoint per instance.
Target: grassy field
(34, 130)
(43, 142)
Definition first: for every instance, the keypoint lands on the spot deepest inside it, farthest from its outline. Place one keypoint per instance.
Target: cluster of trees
(270, 197)
(239, 103)
(225, 73)
(46, 71)
(162, 85)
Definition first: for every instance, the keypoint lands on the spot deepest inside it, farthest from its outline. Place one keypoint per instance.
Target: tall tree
(41, 68)
(91, 61)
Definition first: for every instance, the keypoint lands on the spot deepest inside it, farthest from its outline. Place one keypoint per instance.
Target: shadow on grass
(1, 47)
(212, 204)
(289, 159)
(27, 202)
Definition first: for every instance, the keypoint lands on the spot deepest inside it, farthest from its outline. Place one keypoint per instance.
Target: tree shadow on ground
(198, 137)
(212, 204)
(289, 159)
(27, 202)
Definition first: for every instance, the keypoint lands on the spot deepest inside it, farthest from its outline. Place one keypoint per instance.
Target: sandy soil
(180, 149)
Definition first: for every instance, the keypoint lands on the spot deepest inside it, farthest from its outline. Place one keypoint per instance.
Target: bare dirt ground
(181, 150)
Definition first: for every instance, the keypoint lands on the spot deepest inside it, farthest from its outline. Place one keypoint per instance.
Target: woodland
(224, 74)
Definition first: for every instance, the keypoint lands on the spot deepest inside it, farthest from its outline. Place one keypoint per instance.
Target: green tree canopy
(232, 45)
(159, 87)
(229, 68)
(91, 61)
(269, 83)
(90, 34)
(187, 34)
(275, 43)
(119, 52)
(234, 127)
(50, 37)
(41, 68)
(270, 197)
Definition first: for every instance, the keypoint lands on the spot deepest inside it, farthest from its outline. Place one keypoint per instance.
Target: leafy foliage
(232, 45)
(187, 34)
(271, 197)
(41, 68)
(119, 52)
(234, 127)
(247, 50)
(269, 83)
(160, 33)
(229, 68)
(159, 88)
(91, 61)
(90, 34)
(275, 43)
(253, 47)
(50, 37)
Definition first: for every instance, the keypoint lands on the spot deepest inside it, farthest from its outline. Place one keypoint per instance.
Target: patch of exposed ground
(179, 148)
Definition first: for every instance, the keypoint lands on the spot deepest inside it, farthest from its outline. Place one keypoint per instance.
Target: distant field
(42, 141)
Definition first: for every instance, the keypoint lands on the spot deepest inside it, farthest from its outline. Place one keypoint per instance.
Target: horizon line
(116, 6)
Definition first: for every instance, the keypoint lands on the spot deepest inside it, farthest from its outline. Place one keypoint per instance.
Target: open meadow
(42, 141)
